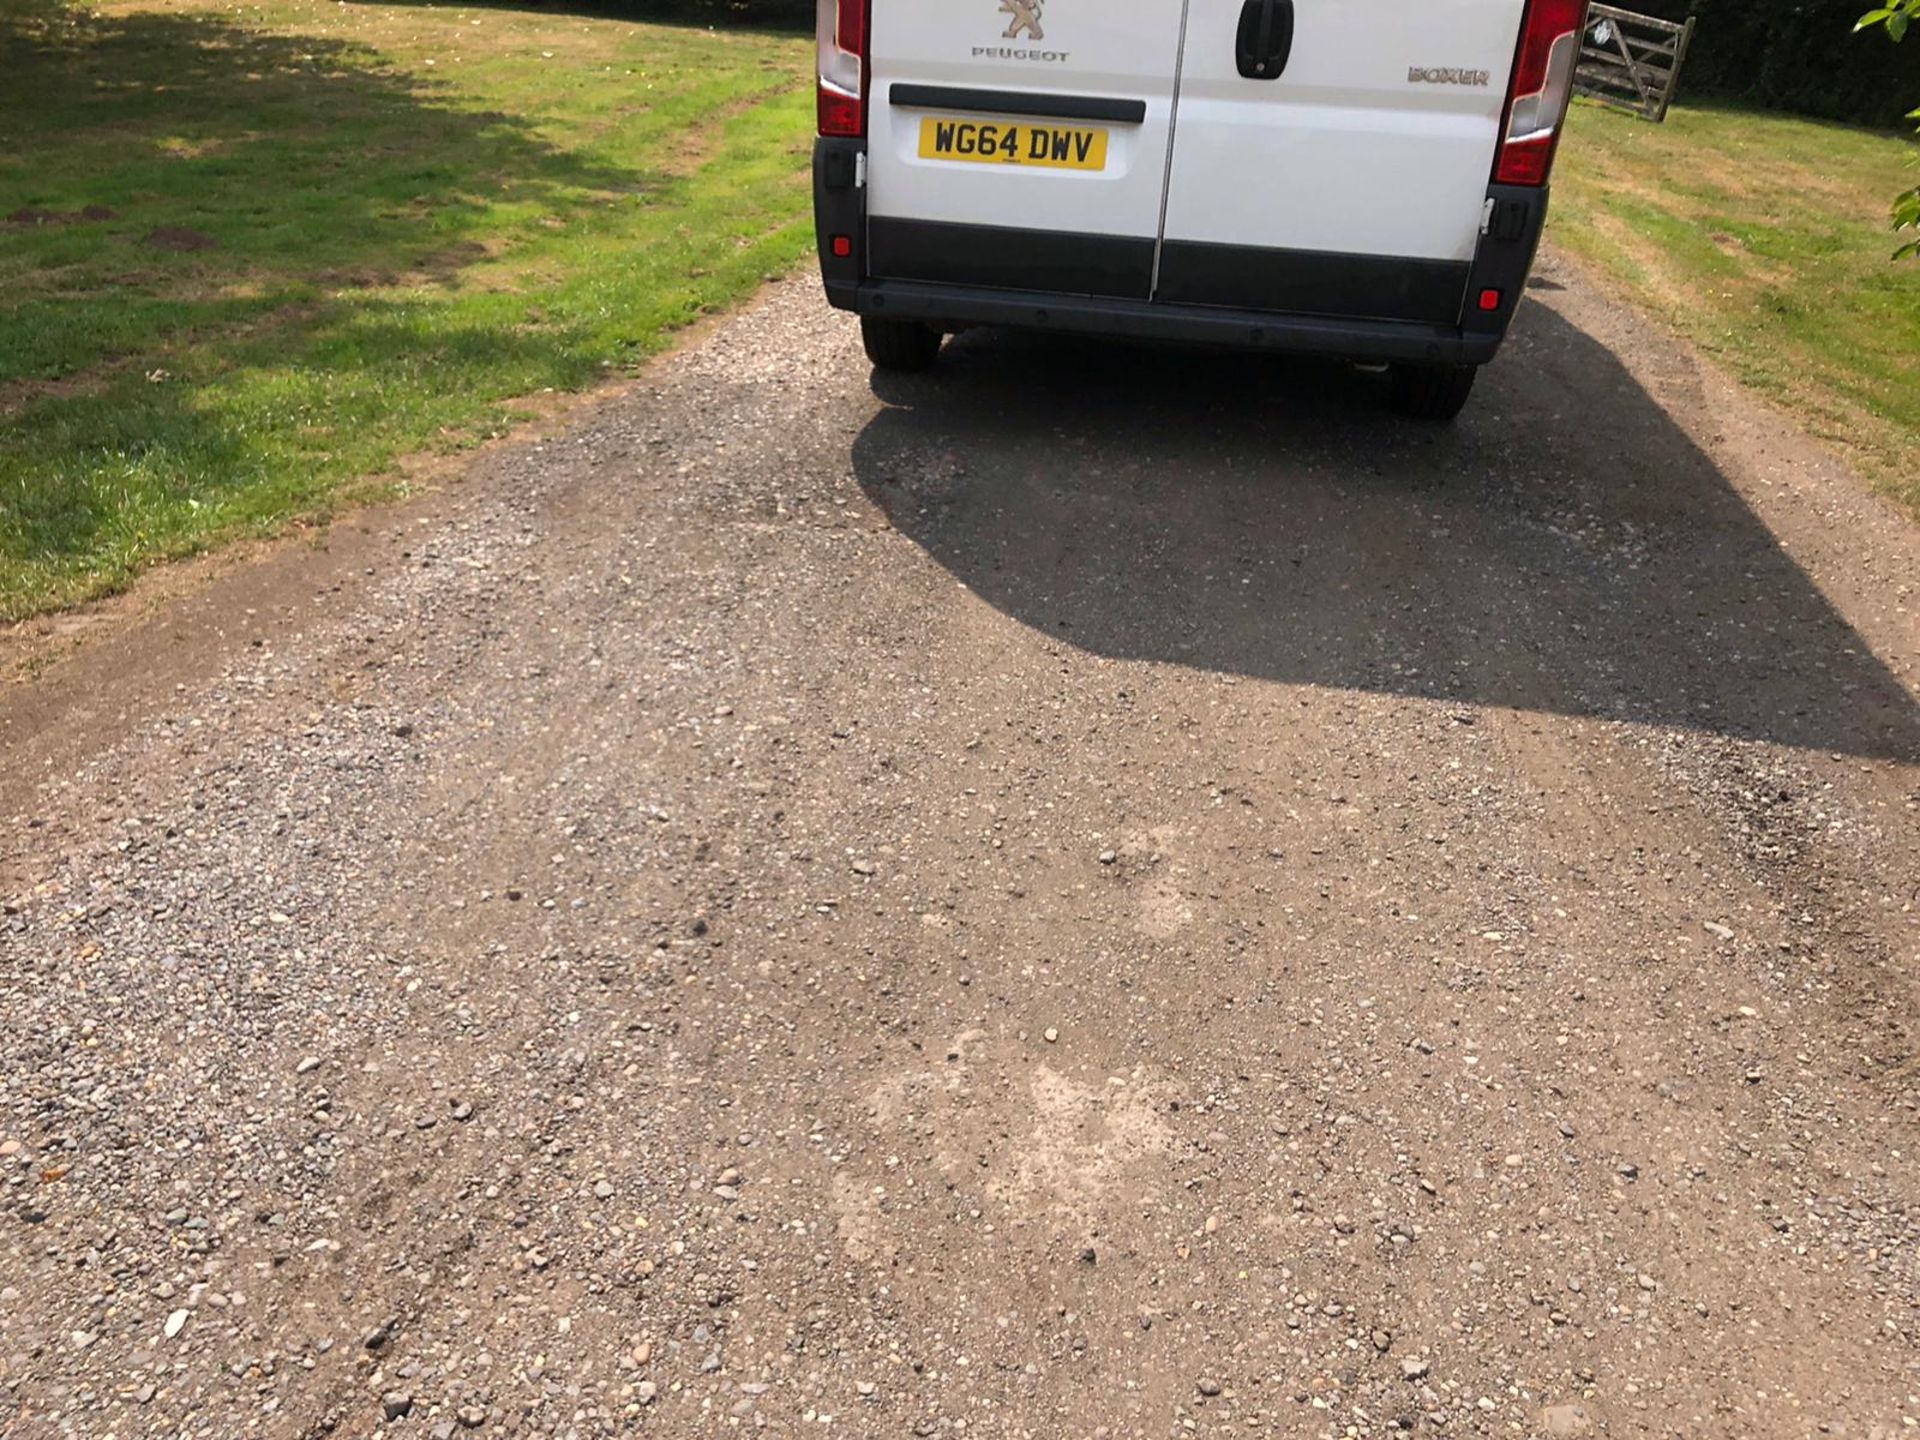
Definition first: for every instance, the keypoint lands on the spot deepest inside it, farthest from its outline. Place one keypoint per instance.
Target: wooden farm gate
(1632, 61)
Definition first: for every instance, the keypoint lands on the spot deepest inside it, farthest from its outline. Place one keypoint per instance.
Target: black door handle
(1264, 40)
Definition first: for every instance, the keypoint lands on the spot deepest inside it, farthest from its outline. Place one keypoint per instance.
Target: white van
(1363, 178)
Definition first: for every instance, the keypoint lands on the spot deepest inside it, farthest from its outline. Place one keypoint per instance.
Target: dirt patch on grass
(335, 280)
(436, 267)
(1629, 246)
(1668, 173)
(180, 238)
(28, 216)
(701, 145)
(179, 148)
(445, 261)
(17, 395)
(1739, 177)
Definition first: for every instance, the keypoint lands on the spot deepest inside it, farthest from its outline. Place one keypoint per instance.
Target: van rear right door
(1349, 175)
(1020, 144)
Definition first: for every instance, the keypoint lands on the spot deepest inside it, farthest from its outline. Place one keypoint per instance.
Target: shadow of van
(1564, 548)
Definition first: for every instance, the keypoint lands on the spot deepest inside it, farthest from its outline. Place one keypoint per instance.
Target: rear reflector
(840, 114)
(841, 31)
(1542, 85)
(842, 246)
(1489, 299)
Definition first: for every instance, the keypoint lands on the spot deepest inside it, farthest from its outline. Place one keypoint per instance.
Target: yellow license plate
(1013, 142)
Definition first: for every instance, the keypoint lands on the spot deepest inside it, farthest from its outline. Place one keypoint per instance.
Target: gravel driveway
(1099, 893)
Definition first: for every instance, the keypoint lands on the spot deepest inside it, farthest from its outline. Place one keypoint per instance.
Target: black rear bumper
(952, 307)
(1395, 317)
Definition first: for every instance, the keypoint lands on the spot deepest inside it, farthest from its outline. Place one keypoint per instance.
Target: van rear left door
(1020, 144)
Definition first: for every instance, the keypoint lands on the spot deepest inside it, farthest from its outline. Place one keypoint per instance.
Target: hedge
(1798, 55)
(775, 14)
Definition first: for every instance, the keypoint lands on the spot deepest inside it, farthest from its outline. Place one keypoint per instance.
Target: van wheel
(1431, 392)
(899, 344)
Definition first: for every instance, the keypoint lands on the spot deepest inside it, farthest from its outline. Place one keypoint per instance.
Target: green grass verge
(325, 235)
(1764, 239)
(257, 253)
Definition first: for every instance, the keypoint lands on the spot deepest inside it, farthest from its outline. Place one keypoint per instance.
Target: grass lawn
(1764, 240)
(251, 254)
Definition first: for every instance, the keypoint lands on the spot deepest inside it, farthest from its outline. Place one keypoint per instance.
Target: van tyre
(899, 344)
(1431, 392)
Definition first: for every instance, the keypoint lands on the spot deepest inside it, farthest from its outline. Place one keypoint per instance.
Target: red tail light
(842, 35)
(1542, 85)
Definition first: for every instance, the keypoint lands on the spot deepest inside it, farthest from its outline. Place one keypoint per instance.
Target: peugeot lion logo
(1026, 16)
(1024, 22)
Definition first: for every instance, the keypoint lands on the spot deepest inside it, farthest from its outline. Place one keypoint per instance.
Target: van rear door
(1021, 147)
(1345, 172)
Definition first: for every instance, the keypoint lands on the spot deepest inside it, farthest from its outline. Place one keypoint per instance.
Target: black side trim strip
(1042, 260)
(1018, 102)
(1311, 282)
